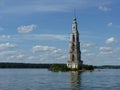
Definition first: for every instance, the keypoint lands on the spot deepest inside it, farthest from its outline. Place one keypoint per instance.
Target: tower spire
(74, 24)
(74, 14)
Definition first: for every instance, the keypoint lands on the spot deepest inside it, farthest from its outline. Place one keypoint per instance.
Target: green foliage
(23, 65)
(58, 67)
(79, 67)
(63, 67)
(87, 67)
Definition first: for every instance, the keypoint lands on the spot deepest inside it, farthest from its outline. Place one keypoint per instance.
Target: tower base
(73, 65)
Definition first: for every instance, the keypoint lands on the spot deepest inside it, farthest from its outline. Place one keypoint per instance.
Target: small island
(64, 68)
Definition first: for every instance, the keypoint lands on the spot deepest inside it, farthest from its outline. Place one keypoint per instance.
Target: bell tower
(74, 48)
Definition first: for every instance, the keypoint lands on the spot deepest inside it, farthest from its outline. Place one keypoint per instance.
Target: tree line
(23, 65)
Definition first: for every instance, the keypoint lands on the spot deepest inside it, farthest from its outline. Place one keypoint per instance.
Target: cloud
(5, 36)
(90, 54)
(24, 6)
(86, 45)
(105, 48)
(105, 53)
(56, 36)
(46, 57)
(109, 52)
(104, 8)
(26, 29)
(6, 46)
(7, 53)
(85, 51)
(10, 55)
(17, 56)
(38, 48)
(111, 40)
(110, 24)
(41, 37)
(47, 54)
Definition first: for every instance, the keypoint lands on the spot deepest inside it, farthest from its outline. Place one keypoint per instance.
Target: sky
(38, 31)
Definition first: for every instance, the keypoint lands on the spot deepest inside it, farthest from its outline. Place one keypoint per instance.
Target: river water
(42, 79)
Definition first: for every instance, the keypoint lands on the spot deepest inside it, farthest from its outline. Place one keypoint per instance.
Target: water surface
(42, 79)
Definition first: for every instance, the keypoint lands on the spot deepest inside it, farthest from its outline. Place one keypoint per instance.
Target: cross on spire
(74, 14)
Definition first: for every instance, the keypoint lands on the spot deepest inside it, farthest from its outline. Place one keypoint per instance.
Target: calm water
(42, 79)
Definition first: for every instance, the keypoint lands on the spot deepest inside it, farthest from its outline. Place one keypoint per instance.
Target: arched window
(73, 46)
(72, 57)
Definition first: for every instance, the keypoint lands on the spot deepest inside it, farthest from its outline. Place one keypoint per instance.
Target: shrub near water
(87, 67)
(58, 67)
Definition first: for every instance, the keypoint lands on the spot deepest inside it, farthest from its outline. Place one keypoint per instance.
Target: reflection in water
(75, 80)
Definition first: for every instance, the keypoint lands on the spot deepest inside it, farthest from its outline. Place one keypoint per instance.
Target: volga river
(42, 79)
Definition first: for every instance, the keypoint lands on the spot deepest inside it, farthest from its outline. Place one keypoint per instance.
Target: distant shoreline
(23, 65)
(10, 65)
